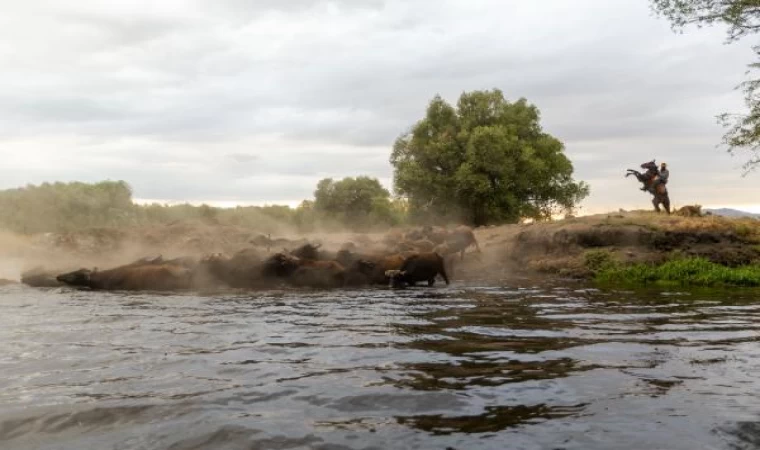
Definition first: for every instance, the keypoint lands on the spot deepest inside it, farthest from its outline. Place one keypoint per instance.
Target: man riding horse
(654, 182)
(661, 177)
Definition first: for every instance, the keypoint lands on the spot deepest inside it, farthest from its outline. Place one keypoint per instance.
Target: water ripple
(460, 367)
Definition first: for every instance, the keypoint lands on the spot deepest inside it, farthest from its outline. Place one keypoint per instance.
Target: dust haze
(103, 248)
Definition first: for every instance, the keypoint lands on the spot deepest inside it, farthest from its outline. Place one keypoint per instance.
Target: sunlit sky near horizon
(252, 102)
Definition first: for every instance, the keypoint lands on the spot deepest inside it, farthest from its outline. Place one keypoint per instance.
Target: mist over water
(464, 367)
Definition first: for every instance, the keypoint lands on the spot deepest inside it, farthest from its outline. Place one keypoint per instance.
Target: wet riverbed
(463, 367)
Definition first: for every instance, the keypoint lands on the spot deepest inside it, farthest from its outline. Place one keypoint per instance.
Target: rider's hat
(663, 164)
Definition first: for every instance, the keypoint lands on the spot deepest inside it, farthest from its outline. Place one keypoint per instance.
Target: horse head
(650, 166)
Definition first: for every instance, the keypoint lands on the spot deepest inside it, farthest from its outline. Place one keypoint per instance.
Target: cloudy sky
(254, 101)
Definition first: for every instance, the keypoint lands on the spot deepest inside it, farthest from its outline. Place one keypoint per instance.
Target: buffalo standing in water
(242, 270)
(304, 272)
(158, 277)
(416, 268)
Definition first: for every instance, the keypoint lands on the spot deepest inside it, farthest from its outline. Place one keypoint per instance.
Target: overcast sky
(254, 101)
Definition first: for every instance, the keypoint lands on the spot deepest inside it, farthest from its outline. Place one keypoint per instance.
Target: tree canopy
(486, 160)
(742, 18)
(357, 202)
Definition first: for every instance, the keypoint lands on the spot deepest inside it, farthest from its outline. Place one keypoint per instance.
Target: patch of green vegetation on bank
(680, 271)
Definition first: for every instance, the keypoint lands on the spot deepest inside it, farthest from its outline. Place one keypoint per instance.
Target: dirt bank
(566, 247)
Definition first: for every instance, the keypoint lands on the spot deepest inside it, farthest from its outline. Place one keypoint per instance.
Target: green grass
(685, 271)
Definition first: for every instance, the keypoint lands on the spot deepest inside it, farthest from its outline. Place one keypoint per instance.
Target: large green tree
(357, 202)
(743, 19)
(486, 160)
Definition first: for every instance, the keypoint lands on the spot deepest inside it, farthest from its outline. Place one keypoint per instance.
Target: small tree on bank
(485, 161)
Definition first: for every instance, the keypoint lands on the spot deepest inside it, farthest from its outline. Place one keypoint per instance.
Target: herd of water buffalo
(398, 259)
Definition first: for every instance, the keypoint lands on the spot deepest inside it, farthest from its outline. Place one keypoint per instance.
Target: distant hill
(728, 212)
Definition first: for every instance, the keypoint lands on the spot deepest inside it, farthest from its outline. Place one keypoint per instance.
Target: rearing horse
(648, 178)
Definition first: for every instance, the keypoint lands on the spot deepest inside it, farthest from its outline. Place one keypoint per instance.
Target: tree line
(485, 160)
(359, 203)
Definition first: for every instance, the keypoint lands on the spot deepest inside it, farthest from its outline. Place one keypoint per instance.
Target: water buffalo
(460, 239)
(279, 265)
(360, 272)
(304, 272)
(312, 252)
(141, 277)
(242, 270)
(318, 274)
(373, 266)
(416, 268)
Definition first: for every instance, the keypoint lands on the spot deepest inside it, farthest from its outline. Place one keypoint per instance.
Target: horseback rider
(652, 178)
(662, 176)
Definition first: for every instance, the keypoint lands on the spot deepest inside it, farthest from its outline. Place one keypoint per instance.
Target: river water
(461, 367)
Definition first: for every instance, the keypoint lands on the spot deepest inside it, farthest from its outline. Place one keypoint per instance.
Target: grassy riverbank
(638, 247)
(682, 271)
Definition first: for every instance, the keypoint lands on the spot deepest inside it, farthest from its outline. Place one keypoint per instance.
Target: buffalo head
(79, 277)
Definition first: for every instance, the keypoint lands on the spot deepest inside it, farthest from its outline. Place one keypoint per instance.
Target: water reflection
(493, 419)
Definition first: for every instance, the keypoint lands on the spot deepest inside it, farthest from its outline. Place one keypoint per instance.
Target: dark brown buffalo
(420, 267)
(360, 273)
(312, 252)
(242, 270)
(373, 266)
(304, 272)
(141, 277)
(449, 256)
(279, 265)
(319, 274)
(359, 268)
(460, 239)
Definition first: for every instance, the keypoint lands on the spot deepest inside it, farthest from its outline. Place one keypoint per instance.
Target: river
(461, 367)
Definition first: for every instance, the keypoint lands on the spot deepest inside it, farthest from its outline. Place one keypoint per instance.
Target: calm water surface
(463, 367)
